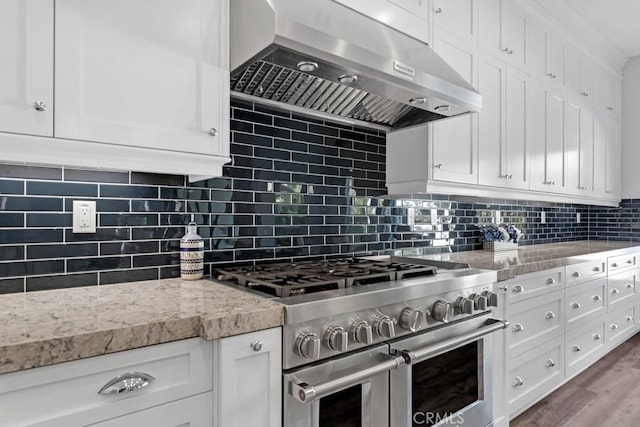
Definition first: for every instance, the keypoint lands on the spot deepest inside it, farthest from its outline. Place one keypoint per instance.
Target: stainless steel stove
(368, 327)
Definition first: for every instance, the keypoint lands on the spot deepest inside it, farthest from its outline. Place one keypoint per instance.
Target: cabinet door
(515, 141)
(547, 53)
(585, 183)
(195, 411)
(149, 73)
(599, 155)
(454, 141)
(579, 149)
(515, 29)
(612, 164)
(490, 27)
(26, 73)
(458, 17)
(492, 160)
(250, 377)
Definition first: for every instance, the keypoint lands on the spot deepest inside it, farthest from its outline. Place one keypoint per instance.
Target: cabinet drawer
(620, 324)
(621, 289)
(586, 271)
(584, 345)
(66, 394)
(532, 285)
(585, 302)
(534, 374)
(534, 320)
(621, 262)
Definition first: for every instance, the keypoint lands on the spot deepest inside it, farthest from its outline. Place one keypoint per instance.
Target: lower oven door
(447, 379)
(352, 391)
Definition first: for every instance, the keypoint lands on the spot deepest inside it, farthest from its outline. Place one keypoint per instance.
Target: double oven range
(382, 342)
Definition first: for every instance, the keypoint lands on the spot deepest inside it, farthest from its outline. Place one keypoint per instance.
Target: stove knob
(463, 305)
(336, 338)
(411, 319)
(362, 332)
(384, 327)
(479, 302)
(308, 345)
(492, 299)
(442, 311)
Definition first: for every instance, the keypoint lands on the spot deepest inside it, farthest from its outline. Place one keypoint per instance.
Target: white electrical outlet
(498, 218)
(84, 216)
(411, 216)
(543, 217)
(434, 216)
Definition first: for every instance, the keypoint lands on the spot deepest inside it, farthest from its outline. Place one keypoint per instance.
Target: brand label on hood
(404, 70)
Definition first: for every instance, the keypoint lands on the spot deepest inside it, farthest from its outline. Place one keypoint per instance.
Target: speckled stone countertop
(532, 258)
(42, 328)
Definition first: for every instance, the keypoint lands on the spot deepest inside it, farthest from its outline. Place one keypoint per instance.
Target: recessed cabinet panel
(457, 17)
(149, 73)
(516, 141)
(26, 73)
(492, 166)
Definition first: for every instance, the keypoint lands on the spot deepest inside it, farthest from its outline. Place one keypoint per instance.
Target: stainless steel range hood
(322, 58)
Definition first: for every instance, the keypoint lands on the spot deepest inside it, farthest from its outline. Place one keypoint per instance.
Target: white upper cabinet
(454, 141)
(579, 149)
(516, 139)
(26, 73)
(609, 93)
(547, 53)
(613, 157)
(457, 17)
(547, 139)
(149, 73)
(579, 75)
(407, 16)
(503, 30)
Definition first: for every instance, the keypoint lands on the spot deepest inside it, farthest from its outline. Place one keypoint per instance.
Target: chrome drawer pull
(629, 261)
(596, 269)
(256, 345)
(629, 318)
(615, 291)
(550, 363)
(127, 382)
(614, 265)
(614, 326)
(517, 327)
(576, 305)
(597, 336)
(629, 285)
(576, 274)
(576, 348)
(518, 288)
(550, 315)
(596, 298)
(517, 382)
(550, 281)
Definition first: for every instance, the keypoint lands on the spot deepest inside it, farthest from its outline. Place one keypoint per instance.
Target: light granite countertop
(43, 328)
(532, 258)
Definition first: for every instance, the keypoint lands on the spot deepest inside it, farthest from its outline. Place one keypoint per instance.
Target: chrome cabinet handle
(614, 326)
(517, 327)
(438, 10)
(629, 285)
(40, 106)
(629, 318)
(256, 345)
(550, 315)
(550, 363)
(438, 166)
(583, 188)
(596, 269)
(615, 291)
(610, 108)
(213, 132)
(517, 382)
(597, 298)
(518, 288)
(585, 94)
(614, 265)
(506, 176)
(576, 348)
(597, 337)
(549, 281)
(629, 261)
(127, 382)
(576, 305)
(576, 274)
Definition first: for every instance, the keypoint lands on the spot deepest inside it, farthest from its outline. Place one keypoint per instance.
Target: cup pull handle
(126, 383)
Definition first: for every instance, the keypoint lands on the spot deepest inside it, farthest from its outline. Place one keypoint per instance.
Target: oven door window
(342, 409)
(445, 384)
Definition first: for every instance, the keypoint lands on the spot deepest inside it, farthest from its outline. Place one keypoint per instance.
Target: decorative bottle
(191, 254)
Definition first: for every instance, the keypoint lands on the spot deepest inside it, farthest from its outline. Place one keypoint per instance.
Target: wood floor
(606, 394)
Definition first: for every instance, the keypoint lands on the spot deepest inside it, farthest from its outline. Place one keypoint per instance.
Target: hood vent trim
(277, 83)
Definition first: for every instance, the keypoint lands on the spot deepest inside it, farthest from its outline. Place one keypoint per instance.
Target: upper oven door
(447, 380)
(352, 391)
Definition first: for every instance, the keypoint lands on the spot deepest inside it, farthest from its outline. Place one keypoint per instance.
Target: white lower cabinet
(534, 374)
(249, 386)
(620, 324)
(585, 302)
(67, 394)
(182, 413)
(533, 320)
(584, 345)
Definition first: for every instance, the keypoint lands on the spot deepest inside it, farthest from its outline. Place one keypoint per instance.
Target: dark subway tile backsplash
(297, 188)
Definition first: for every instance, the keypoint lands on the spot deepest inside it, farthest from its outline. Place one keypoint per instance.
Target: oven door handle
(416, 356)
(306, 393)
